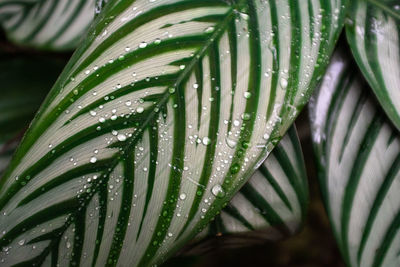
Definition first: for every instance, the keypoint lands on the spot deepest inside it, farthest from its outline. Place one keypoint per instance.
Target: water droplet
(182, 196)
(171, 90)
(93, 113)
(246, 116)
(157, 41)
(209, 29)
(206, 141)
(195, 86)
(140, 110)
(230, 142)
(235, 168)
(121, 137)
(284, 83)
(247, 95)
(21, 242)
(68, 245)
(93, 160)
(218, 191)
(142, 44)
(182, 67)
(266, 136)
(128, 103)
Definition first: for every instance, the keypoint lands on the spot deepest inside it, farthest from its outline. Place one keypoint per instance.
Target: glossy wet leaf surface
(164, 99)
(373, 32)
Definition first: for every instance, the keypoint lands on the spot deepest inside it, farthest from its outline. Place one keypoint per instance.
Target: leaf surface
(46, 24)
(270, 206)
(358, 152)
(373, 33)
(164, 99)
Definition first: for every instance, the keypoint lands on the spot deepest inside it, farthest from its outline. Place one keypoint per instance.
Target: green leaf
(373, 32)
(164, 98)
(270, 206)
(46, 24)
(358, 151)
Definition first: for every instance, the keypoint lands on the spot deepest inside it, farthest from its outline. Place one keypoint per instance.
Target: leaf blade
(46, 25)
(374, 40)
(270, 206)
(195, 40)
(358, 151)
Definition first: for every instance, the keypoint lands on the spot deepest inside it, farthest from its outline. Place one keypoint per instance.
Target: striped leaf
(373, 33)
(46, 24)
(270, 206)
(164, 102)
(359, 166)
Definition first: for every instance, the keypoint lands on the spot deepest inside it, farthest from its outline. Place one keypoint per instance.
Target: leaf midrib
(219, 30)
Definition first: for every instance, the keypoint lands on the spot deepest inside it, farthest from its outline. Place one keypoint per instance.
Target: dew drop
(142, 45)
(209, 29)
(93, 113)
(246, 116)
(218, 191)
(182, 196)
(21, 242)
(230, 142)
(140, 110)
(93, 160)
(206, 141)
(284, 83)
(235, 168)
(128, 103)
(121, 137)
(247, 95)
